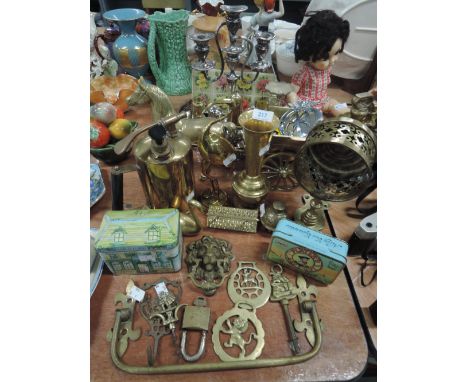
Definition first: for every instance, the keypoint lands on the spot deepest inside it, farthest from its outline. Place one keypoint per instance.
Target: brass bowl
(335, 163)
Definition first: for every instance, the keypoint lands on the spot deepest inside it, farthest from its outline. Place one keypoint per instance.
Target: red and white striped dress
(312, 84)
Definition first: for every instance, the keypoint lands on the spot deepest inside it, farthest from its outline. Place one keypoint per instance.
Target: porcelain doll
(318, 43)
(263, 18)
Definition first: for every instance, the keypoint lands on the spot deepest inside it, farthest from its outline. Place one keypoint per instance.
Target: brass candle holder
(249, 185)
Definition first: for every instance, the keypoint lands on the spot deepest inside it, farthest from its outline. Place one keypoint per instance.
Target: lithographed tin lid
(139, 228)
(313, 240)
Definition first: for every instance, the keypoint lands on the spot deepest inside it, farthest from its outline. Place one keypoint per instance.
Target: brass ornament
(161, 313)
(307, 296)
(196, 317)
(125, 331)
(248, 283)
(312, 213)
(282, 291)
(208, 261)
(235, 322)
(233, 219)
(335, 163)
(273, 214)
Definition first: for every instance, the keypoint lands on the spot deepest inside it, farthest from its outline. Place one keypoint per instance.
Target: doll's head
(267, 5)
(321, 39)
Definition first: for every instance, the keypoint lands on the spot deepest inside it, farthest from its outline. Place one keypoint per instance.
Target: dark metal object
(208, 261)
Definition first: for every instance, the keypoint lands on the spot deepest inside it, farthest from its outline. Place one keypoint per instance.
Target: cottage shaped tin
(306, 251)
(140, 241)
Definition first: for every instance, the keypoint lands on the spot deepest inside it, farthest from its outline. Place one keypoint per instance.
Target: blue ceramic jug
(129, 49)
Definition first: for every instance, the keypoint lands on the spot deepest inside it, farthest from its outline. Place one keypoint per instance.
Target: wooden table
(344, 352)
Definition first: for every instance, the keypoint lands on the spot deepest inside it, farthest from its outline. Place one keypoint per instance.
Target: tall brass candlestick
(249, 185)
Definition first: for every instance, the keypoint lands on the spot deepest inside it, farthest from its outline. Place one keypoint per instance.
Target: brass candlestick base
(250, 190)
(213, 198)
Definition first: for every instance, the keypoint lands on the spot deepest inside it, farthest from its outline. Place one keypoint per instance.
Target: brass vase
(249, 185)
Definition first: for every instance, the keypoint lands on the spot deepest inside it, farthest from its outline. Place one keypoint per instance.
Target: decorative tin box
(309, 252)
(140, 241)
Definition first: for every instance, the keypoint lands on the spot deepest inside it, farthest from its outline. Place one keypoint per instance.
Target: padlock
(196, 317)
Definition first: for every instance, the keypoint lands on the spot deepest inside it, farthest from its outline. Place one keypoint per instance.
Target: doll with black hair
(318, 43)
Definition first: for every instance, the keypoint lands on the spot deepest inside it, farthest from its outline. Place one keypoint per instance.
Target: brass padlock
(196, 317)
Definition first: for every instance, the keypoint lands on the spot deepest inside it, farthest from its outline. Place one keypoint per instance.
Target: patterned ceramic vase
(129, 49)
(167, 32)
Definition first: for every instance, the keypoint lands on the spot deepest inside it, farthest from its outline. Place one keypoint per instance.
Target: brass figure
(208, 261)
(234, 219)
(235, 323)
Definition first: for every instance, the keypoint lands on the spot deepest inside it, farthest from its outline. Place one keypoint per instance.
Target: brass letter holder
(234, 219)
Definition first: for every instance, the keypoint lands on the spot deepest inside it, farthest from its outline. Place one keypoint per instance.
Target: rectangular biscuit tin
(140, 241)
(306, 251)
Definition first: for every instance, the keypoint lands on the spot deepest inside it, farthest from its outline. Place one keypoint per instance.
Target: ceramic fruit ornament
(99, 134)
(120, 128)
(103, 112)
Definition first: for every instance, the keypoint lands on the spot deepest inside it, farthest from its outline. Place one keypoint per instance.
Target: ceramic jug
(167, 32)
(129, 49)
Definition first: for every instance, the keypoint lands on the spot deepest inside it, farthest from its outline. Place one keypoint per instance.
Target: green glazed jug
(167, 32)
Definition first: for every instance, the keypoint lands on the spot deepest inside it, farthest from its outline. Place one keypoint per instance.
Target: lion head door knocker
(161, 312)
(248, 283)
(239, 327)
(209, 262)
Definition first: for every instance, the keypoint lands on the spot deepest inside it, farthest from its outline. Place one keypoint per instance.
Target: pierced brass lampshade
(335, 163)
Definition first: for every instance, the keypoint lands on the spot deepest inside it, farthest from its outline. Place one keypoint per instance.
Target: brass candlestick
(249, 186)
